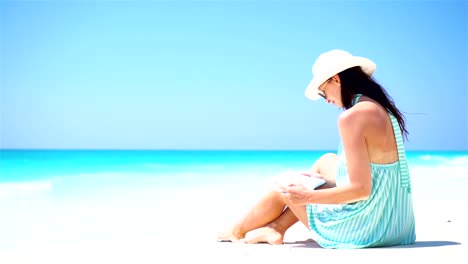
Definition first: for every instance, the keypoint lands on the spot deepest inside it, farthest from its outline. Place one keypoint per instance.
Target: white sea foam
(439, 166)
(435, 159)
(459, 161)
(24, 188)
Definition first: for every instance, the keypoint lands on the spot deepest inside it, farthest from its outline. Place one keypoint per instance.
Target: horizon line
(207, 149)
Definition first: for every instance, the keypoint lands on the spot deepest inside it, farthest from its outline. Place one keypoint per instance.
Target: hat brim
(366, 65)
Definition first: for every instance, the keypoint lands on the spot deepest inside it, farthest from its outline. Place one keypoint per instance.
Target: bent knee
(326, 165)
(329, 156)
(326, 160)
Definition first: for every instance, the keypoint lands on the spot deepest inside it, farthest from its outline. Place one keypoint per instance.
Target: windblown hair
(355, 81)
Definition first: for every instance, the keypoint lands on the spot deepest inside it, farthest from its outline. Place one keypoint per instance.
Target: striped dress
(386, 218)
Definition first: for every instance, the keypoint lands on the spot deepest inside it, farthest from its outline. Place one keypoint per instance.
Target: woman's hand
(297, 194)
(297, 186)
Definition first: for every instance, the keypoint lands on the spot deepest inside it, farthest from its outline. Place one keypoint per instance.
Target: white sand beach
(184, 232)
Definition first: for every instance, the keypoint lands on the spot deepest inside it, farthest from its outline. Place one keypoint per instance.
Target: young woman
(366, 201)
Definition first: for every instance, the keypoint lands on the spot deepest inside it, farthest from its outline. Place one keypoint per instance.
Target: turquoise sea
(54, 196)
(34, 165)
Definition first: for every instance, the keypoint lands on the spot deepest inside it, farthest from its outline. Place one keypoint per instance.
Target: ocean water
(60, 196)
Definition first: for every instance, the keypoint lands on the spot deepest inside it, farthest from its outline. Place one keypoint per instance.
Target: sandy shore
(438, 242)
(187, 235)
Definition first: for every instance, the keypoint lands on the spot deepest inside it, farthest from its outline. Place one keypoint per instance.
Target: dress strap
(404, 171)
(356, 98)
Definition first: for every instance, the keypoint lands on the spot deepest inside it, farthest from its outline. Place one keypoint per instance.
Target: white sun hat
(333, 62)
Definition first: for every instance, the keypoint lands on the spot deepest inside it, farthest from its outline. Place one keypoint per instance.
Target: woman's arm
(352, 124)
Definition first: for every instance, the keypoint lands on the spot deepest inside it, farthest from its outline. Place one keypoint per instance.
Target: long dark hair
(355, 81)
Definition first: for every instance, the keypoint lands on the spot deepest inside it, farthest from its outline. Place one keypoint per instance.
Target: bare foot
(264, 234)
(229, 235)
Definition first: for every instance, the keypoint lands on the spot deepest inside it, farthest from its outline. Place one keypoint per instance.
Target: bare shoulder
(365, 113)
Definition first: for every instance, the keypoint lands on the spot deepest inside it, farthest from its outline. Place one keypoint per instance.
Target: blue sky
(221, 74)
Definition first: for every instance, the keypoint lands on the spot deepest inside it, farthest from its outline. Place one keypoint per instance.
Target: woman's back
(378, 131)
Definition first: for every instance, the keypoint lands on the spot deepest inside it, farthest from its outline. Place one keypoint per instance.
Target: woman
(367, 199)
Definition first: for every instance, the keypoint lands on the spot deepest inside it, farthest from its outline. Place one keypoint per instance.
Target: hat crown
(333, 62)
(328, 63)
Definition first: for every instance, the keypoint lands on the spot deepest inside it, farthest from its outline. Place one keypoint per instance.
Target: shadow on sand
(423, 244)
(309, 243)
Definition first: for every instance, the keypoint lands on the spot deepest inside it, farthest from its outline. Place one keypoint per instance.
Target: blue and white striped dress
(386, 218)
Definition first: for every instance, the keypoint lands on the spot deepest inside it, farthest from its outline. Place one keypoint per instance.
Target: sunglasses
(321, 90)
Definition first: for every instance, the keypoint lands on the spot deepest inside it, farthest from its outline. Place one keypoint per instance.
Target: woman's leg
(267, 209)
(273, 232)
(326, 167)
